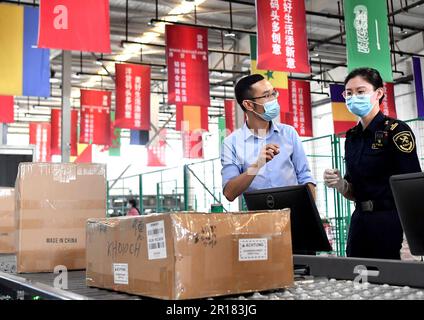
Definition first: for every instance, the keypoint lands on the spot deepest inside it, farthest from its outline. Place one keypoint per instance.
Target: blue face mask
(272, 110)
(360, 106)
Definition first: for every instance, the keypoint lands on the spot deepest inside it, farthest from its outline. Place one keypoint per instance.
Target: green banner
(115, 148)
(367, 36)
(221, 130)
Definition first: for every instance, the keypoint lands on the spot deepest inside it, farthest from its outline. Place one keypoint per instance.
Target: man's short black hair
(370, 75)
(243, 88)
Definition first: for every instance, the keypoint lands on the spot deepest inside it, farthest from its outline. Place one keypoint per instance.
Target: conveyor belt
(326, 278)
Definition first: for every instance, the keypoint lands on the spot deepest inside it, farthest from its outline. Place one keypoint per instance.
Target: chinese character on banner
(132, 97)
(388, 106)
(40, 135)
(95, 117)
(56, 132)
(75, 25)
(300, 115)
(230, 115)
(188, 74)
(282, 37)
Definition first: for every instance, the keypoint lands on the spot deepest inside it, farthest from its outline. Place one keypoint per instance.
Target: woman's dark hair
(243, 88)
(370, 75)
(133, 202)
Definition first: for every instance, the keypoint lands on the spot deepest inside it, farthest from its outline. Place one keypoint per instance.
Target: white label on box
(253, 249)
(120, 273)
(156, 242)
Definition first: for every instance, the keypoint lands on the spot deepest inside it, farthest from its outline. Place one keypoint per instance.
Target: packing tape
(61, 204)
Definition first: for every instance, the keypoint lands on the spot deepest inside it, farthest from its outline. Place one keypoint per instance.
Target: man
(262, 154)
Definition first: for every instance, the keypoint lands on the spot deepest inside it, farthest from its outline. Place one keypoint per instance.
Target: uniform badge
(404, 141)
(393, 126)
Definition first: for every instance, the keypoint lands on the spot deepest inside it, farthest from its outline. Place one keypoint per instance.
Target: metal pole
(186, 179)
(66, 105)
(140, 192)
(3, 133)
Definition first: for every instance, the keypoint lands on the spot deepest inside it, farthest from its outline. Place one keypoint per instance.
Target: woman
(375, 149)
(133, 208)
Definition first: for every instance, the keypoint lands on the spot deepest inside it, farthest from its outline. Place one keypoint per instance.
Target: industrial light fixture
(131, 45)
(98, 62)
(230, 34)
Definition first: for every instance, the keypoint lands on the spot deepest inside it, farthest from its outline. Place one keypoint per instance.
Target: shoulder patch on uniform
(393, 126)
(404, 141)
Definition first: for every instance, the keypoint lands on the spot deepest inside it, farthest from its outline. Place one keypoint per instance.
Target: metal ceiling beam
(229, 29)
(164, 66)
(123, 42)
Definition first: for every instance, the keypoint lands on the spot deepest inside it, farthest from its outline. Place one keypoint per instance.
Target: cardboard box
(190, 255)
(7, 221)
(53, 203)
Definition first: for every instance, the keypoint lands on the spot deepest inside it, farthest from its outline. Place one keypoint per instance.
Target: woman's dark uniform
(385, 148)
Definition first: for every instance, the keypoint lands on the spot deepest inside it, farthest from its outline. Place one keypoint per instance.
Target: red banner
(95, 117)
(40, 135)
(388, 106)
(192, 144)
(156, 152)
(7, 109)
(75, 25)
(56, 132)
(132, 97)
(300, 116)
(230, 115)
(188, 70)
(282, 38)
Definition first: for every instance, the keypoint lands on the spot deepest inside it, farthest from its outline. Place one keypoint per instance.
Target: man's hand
(268, 153)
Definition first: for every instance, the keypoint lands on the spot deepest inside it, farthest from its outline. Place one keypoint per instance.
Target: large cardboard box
(190, 255)
(7, 221)
(53, 203)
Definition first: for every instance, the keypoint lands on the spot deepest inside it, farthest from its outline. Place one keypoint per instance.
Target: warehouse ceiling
(230, 22)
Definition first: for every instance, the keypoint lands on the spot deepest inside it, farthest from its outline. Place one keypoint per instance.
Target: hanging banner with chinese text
(187, 62)
(282, 37)
(300, 107)
(388, 106)
(95, 117)
(40, 135)
(132, 96)
(56, 132)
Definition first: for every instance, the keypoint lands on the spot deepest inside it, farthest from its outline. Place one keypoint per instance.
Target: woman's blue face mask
(360, 105)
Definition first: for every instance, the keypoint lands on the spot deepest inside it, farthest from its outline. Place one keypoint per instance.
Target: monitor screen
(10, 157)
(308, 234)
(408, 191)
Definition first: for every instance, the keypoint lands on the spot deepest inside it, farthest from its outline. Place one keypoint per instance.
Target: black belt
(375, 205)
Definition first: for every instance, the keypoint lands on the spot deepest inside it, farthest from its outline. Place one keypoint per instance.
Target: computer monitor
(308, 234)
(408, 191)
(10, 158)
